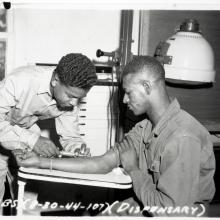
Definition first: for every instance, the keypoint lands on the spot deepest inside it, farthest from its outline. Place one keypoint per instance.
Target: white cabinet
(98, 118)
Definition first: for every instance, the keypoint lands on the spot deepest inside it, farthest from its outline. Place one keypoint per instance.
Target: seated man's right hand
(45, 147)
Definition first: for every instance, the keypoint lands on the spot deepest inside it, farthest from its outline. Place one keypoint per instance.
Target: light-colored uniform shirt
(176, 161)
(25, 98)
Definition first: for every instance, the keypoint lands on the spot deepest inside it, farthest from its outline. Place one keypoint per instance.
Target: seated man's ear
(147, 86)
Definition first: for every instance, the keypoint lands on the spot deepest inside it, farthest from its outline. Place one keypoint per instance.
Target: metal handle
(100, 53)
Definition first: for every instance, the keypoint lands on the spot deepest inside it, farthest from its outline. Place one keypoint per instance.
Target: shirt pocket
(155, 169)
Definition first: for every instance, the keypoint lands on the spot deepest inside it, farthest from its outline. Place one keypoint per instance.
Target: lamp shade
(187, 56)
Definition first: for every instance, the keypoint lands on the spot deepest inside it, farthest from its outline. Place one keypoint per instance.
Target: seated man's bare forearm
(98, 164)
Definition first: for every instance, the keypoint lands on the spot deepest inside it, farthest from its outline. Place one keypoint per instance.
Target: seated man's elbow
(102, 168)
(106, 169)
(104, 165)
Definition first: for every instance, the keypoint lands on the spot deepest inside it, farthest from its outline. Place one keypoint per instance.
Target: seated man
(34, 93)
(168, 156)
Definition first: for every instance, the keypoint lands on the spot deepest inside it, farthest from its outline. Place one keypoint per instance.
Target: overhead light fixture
(187, 56)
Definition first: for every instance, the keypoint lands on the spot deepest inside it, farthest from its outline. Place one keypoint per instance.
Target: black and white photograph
(109, 109)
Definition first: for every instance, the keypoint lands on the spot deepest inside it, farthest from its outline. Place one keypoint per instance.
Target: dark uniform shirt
(176, 160)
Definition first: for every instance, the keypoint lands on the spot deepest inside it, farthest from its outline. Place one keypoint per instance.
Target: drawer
(99, 100)
(97, 134)
(97, 147)
(99, 131)
(96, 124)
(100, 95)
(98, 113)
(101, 89)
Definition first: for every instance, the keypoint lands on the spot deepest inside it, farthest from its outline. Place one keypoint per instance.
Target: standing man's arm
(13, 136)
(67, 127)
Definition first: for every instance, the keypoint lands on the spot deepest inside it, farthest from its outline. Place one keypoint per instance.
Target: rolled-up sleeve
(136, 136)
(67, 126)
(12, 136)
(179, 176)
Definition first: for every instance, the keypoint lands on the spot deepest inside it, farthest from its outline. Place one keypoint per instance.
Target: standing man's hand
(45, 147)
(83, 151)
(128, 155)
(26, 158)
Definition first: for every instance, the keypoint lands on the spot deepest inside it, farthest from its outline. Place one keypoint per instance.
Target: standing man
(35, 93)
(169, 156)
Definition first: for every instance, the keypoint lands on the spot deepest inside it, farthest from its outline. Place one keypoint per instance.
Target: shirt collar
(173, 109)
(45, 81)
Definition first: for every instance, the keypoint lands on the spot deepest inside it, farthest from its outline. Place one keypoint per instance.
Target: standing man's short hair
(76, 70)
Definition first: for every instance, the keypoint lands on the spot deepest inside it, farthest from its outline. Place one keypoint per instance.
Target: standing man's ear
(147, 86)
(55, 79)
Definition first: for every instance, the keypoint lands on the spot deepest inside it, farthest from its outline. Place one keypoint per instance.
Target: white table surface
(114, 179)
